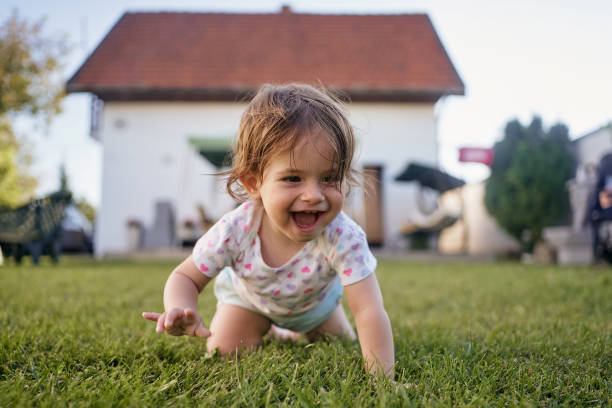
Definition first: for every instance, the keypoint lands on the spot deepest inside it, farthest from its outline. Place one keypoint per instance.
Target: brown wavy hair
(275, 120)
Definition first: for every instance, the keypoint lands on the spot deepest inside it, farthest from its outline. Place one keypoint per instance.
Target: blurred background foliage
(30, 84)
(527, 190)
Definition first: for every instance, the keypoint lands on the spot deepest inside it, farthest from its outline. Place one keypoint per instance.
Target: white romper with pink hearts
(341, 252)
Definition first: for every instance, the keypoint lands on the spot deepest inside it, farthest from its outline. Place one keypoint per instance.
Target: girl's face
(299, 193)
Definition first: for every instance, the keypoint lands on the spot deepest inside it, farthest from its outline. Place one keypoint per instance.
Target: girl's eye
(292, 179)
(329, 180)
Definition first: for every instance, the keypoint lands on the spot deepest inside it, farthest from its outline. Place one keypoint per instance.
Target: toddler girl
(286, 254)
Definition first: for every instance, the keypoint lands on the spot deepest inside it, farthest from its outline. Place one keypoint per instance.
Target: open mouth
(306, 220)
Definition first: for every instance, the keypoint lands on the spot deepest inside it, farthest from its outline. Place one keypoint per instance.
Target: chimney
(286, 9)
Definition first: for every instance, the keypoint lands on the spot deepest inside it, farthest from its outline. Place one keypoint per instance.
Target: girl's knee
(234, 329)
(231, 347)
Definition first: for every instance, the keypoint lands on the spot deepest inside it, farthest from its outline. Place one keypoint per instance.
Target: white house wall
(590, 149)
(147, 158)
(393, 135)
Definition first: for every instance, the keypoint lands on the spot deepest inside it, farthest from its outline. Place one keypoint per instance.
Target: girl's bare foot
(283, 334)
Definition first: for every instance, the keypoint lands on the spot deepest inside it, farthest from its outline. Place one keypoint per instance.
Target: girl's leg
(234, 328)
(337, 325)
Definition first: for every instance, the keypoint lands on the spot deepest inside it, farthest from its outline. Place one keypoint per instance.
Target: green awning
(216, 150)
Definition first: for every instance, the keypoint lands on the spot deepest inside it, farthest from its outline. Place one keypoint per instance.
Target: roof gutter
(127, 93)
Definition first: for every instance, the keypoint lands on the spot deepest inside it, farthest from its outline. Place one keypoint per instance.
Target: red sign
(476, 155)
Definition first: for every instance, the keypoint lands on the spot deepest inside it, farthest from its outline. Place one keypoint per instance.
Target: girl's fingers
(193, 317)
(190, 314)
(156, 317)
(202, 332)
(160, 323)
(151, 316)
(173, 316)
(177, 322)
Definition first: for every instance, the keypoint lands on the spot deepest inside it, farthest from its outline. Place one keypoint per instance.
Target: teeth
(308, 212)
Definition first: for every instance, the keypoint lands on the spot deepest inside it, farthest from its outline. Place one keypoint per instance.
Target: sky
(517, 58)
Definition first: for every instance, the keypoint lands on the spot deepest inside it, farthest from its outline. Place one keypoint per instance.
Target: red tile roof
(198, 56)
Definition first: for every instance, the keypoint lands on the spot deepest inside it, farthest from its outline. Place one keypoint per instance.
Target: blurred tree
(527, 191)
(63, 178)
(30, 84)
(88, 210)
(16, 184)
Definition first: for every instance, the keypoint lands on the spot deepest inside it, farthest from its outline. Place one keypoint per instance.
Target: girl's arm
(180, 302)
(373, 326)
(184, 285)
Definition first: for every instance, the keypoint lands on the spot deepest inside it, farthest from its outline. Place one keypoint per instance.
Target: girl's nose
(312, 193)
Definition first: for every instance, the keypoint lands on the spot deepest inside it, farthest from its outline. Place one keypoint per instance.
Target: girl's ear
(251, 185)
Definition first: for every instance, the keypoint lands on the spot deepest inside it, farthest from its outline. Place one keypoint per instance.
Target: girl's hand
(179, 322)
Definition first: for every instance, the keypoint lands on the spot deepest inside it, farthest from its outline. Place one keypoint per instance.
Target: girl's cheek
(336, 194)
(336, 190)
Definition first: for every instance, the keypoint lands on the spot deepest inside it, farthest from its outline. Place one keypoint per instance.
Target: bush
(527, 191)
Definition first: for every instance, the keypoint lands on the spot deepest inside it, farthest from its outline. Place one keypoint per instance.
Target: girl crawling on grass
(283, 258)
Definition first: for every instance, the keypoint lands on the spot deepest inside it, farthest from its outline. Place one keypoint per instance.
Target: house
(169, 89)
(588, 151)
(573, 244)
(476, 232)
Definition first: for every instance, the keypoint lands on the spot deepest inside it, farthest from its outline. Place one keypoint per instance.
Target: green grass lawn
(466, 334)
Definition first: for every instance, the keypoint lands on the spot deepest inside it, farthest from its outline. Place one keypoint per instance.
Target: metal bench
(34, 228)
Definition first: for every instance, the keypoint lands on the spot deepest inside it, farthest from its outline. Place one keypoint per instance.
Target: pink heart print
(248, 266)
(339, 231)
(203, 268)
(305, 269)
(348, 271)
